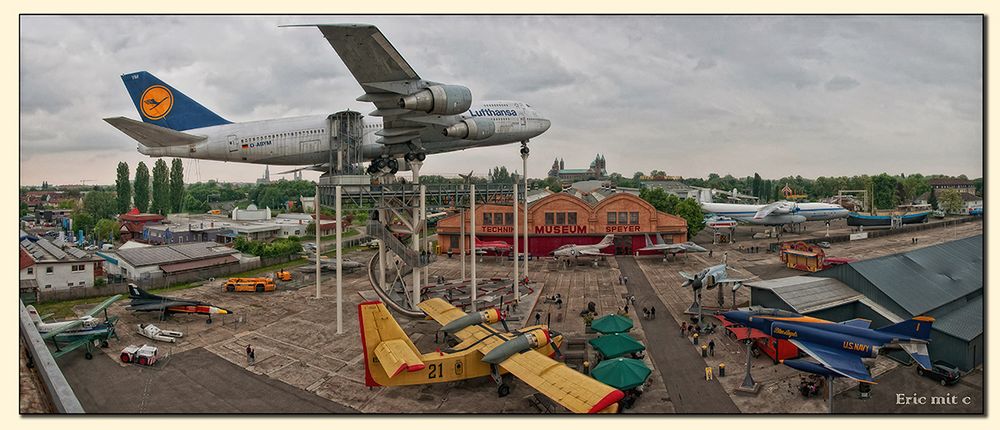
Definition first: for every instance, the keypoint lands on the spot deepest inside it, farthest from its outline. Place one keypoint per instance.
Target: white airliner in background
(777, 213)
(413, 117)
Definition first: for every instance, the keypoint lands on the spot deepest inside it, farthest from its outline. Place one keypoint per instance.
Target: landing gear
(104, 344)
(415, 156)
(209, 320)
(379, 165)
(524, 148)
(88, 355)
(502, 388)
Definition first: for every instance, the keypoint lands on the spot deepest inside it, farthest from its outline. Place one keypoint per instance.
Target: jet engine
(472, 128)
(524, 342)
(488, 316)
(439, 99)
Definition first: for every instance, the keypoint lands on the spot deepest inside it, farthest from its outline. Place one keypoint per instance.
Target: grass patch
(347, 234)
(268, 269)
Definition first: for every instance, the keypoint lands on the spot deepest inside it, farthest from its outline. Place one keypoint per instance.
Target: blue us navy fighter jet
(839, 348)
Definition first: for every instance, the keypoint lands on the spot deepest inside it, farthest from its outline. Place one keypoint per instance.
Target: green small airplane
(86, 331)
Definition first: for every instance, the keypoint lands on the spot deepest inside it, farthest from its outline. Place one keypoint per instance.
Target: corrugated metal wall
(965, 355)
(846, 274)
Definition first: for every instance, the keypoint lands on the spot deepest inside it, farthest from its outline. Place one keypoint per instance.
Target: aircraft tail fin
(134, 292)
(918, 328)
(648, 242)
(160, 104)
(608, 240)
(387, 349)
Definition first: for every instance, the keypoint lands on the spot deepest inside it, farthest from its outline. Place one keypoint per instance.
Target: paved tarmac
(190, 382)
(682, 367)
(902, 391)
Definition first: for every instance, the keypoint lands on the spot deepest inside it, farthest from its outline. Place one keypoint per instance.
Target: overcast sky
(787, 95)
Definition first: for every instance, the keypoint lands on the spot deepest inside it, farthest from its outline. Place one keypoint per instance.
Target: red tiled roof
(25, 260)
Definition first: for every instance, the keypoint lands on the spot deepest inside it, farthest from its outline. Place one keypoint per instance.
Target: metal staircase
(379, 231)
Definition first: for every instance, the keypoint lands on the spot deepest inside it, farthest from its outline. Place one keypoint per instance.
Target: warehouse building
(156, 261)
(944, 281)
(56, 268)
(564, 218)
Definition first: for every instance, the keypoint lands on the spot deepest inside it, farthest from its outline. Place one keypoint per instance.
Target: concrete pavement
(681, 366)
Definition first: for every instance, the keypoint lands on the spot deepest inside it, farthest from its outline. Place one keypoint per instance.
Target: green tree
(933, 200)
(192, 205)
(100, 204)
(123, 188)
(500, 175)
(690, 210)
(161, 188)
(141, 187)
(978, 182)
(24, 209)
(83, 221)
(67, 204)
(914, 186)
(176, 185)
(661, 200)
(884, 190)
(106, 229)
(951, 202)
(755, 185)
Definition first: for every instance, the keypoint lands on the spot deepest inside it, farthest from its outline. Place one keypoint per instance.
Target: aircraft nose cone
(544, 124)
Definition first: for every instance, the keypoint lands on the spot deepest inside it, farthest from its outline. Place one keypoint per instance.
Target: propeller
(555, 347)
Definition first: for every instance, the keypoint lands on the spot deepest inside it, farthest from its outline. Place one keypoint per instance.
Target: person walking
(711, 348)
(684, 327)
(249, 354)
(652, 312)
(645, 313)
(538, 318)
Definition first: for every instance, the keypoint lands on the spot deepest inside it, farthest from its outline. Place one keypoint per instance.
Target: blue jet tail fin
(160, 104)
(915, 328)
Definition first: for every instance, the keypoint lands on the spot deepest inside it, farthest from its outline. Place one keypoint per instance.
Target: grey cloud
(650, 92)
(841, 83)
(704, 63)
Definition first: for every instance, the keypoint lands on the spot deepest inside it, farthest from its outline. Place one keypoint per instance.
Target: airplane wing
(440, 310)
(62, 329)
(104, 305)
(594, 253)
(686, 275)
(858, 322)
(158, 305)
(575, 391)
(845, 364)
(386, 78)
(767, 210)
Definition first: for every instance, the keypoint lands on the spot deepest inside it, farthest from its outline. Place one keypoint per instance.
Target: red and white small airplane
(497, 246)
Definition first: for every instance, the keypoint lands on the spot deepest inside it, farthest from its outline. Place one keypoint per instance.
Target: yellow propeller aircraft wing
(575, 391)
(440, 310)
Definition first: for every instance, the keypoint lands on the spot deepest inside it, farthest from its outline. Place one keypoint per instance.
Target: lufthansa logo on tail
(156, 102)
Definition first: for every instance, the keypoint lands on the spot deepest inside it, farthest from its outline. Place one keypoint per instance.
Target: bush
(100, 282)
(276, 248)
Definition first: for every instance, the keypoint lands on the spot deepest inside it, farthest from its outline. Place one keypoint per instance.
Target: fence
(873, 233)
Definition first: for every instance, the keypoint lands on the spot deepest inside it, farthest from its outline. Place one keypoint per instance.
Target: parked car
(942, 371)
(824, 244)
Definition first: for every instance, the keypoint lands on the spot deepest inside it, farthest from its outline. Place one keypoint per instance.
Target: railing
(58, 390)
(437, 195)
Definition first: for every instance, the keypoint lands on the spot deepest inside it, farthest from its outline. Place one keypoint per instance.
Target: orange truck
(249, 284)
